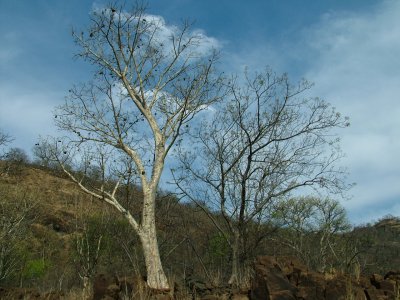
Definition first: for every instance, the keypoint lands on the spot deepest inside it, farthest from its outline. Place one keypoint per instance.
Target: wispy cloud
(353, 58)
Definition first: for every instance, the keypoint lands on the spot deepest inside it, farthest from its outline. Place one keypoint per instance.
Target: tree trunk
(234, 279)
(156, 278)
(87, 288)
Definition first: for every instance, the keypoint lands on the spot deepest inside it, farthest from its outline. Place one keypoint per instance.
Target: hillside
(58, 219)
(379, 245)
(59, 235)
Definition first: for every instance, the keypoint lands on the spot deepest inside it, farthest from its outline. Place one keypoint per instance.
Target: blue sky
(349, 49)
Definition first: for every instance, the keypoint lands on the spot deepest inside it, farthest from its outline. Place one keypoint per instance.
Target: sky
(349, 49)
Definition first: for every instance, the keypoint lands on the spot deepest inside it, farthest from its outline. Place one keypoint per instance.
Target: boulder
(287, 278)
(394, 275)
(282, 295)
(373, 294)
(376, 280)
(310, 293)
(388, 285)
(270, 282)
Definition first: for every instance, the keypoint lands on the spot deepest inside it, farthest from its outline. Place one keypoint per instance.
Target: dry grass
(55, 197)
(75, 294)
(397, 291)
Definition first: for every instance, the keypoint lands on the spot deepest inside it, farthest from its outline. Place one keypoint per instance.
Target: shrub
(35, 268)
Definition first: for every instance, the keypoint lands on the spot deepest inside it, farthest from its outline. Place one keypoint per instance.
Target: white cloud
(201, 44)
(353, 58)
(163, 33)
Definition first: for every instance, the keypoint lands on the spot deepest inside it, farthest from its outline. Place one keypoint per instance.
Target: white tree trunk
(156, 278)
(87, 288)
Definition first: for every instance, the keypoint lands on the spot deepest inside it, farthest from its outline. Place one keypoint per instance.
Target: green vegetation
(35, 269)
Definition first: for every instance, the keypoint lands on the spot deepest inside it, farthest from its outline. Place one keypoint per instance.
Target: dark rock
(100, 285)
(376, 280)
(198, 286)
(335, 290)
(161, 297)
(292, 267)
(374, 294)
(270, 281)
(388, 285)
(211, 297)
(394, 275)
(282, 295)
(286, 278)
(312, 279)
(310, 293)
(57, 224)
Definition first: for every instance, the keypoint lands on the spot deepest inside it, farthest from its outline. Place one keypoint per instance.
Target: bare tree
(88, 249)
(313, 229)
(16, 159)
(262, 145)
(4, 139)
(42, 155)
(150, 80)
(15, 216)
(332, 223)
(17, 155)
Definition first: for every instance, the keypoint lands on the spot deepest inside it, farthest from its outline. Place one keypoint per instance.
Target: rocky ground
(282, 278)
(286, 278)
